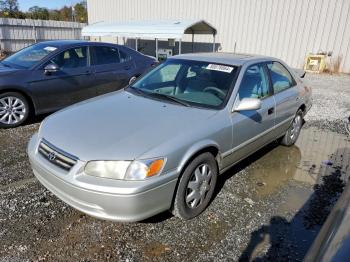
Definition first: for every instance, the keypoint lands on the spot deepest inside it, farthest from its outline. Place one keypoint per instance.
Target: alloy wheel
(12, 110)
(198, 186)
(296, 126)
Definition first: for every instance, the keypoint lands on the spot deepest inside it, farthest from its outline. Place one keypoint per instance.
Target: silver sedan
(161, 143)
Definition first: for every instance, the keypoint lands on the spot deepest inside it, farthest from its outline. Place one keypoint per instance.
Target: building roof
(162, 29)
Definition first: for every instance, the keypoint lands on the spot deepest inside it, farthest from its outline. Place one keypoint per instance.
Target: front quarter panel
(216, 131)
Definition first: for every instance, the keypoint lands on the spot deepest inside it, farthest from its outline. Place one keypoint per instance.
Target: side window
(124, 57)
(254, 83)
(71, 58)
(280, 76)
(105, 55)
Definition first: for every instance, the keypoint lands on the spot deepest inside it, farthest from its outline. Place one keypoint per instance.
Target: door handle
(270, 110)
(127, 67)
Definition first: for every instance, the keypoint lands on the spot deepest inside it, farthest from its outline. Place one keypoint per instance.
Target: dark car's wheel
(293, 132)
(14, 109)
(132, 79)
(196, 187)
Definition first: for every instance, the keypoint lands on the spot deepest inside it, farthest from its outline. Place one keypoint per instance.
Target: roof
(223, 58)
(59, 43)
(163, 29)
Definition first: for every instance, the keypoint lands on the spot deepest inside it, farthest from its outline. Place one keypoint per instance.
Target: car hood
(4, 70)
(118, 126)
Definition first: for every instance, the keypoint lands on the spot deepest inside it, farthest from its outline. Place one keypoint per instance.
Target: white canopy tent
(151, 29)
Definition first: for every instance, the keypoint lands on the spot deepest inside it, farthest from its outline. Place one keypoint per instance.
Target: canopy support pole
(136, 44)
(213, 43)
(192, 42)
(179, 46)
(157, 48)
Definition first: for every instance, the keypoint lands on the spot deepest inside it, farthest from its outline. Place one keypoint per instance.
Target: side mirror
(51, 68)
(248, 104)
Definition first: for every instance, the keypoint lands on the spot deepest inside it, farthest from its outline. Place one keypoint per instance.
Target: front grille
(56, 156)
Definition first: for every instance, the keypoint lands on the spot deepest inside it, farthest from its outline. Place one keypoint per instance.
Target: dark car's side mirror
(51, 68)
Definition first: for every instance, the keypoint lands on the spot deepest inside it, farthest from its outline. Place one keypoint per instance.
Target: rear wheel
(196, 187)
(293, 132)
(14, 109)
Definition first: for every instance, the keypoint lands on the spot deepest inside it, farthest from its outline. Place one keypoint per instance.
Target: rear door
(112, 68)
(73, 82)
(286, 95)
(252, 129)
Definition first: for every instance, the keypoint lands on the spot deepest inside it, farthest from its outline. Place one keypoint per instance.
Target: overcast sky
(50, 4)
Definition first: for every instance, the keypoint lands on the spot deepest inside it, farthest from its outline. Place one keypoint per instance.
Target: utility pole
(73, 10)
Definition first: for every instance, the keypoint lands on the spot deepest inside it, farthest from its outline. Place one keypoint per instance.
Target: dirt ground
(267, 208)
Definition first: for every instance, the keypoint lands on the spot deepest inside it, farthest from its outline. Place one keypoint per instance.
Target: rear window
(105, 55)
(124, 57)
(280, 76)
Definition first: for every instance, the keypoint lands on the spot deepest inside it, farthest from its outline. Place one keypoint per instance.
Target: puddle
(310, 175)
(316, 153)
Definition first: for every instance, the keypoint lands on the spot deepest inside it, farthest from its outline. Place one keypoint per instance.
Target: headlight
(127, 170)
(107, 169)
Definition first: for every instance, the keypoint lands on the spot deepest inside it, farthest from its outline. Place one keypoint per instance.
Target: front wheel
(293, 132)
(196, 187)
(14, 109)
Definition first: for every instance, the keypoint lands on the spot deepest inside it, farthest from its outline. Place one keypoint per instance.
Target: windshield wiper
(137, 90)
(159, 95)
(171, 98)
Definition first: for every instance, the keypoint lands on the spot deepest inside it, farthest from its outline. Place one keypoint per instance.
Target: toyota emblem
(52, 156)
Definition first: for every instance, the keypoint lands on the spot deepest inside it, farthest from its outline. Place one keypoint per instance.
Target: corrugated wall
(18, 33)
(285, 29)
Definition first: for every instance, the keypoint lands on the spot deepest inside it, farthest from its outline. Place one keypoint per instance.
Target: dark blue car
(51, 75)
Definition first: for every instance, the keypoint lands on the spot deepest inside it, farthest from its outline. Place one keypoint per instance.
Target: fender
(23, 91)
(194, 149)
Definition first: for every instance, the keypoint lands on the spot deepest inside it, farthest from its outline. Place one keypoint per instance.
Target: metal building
(285, 29)
(18, 33)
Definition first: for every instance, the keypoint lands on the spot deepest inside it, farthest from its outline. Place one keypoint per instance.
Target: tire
(14, 109)
(196, 187)
(292, 134)
(132, 80)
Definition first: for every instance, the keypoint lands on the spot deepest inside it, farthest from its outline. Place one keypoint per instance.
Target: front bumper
(125, 201)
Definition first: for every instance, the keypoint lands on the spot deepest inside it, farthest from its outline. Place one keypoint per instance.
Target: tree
(66, 13)
(10, 8)
(54, 15)
(37, 12)
(80, 11)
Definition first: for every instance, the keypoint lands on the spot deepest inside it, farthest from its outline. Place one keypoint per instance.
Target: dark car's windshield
(29, 56)
(190, 82)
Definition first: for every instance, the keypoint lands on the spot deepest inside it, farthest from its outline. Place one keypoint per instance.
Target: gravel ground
(331, 101)
(260, 212)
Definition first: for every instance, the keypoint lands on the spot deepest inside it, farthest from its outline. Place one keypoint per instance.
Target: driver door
(252, 129)
(73, 82)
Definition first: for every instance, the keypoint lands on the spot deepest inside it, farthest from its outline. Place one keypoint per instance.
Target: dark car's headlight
(125, 170)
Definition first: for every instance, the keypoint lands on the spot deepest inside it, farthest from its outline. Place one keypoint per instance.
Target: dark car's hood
(118, 126)
(5, 70)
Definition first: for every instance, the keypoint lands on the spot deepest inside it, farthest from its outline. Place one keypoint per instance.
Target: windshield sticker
(50, 48)
(221, 68)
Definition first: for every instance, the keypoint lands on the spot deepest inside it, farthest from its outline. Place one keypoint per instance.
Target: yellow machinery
(315, 63)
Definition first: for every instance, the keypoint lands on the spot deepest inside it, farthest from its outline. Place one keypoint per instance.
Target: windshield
(29, 56)
(188, 82)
